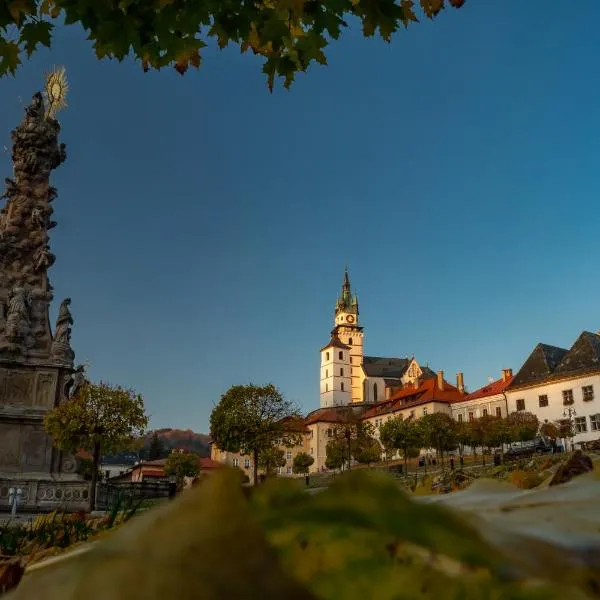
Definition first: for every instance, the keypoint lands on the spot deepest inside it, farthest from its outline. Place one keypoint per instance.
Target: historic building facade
(347, 376)
(559, 383)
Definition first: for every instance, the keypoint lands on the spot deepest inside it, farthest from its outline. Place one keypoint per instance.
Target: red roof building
(488, 400)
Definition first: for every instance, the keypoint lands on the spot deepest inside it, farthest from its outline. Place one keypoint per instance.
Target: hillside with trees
(184, 439)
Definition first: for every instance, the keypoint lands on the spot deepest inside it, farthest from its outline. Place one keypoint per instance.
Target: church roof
(377, 366)
(409, 396)
(335, 342)
(549, 363)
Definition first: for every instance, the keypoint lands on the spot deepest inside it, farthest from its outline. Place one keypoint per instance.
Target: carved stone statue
(64, 323)
(37, 219)
(77, 380)
(43, 258)
(17, 317)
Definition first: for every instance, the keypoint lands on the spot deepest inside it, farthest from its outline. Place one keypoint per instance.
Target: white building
(349, 377)
(556, 383)
(490, 400)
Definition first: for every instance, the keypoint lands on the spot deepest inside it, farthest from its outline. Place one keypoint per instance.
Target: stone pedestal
(28, 460)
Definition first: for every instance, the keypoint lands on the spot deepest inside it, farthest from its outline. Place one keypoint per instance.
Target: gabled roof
(409, 396)
(549, 363)
(491, 389)
(377, 366)
(335, 414)
(584, 355)
(539, 365)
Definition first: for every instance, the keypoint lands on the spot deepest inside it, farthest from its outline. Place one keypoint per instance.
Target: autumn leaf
(408, 13)
(432, 7)
(34, 33)
(18, 9)
(9, 57)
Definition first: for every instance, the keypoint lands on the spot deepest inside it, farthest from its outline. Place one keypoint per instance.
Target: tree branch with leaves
(101, 419)
(289, 35)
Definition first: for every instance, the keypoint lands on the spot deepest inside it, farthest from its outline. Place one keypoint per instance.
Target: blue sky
(204, 224)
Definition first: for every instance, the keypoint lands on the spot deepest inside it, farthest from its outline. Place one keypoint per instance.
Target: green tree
(500, 434)
(523, 425)
(302, 463)
(101, 419)
(438, 431)
(367, 451)
(181, 465)
(464, 435)
(401, 434)
(482, 430)
(270, 459)
(157, 448)
(289, 36)
(354, 432)
(336, 454)
(85, 468)
(250, 419)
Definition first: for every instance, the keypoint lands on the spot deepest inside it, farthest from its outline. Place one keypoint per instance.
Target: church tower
(336, 376)
(350, 333)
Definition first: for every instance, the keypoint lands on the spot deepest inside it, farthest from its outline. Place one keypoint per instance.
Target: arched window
(349, 341)
(342, 388)
(374, 391)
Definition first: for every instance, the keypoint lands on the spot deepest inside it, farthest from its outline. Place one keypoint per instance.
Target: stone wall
(46, 496)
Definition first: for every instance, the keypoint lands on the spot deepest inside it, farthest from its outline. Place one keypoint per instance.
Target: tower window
(349, 341)
(326, 355)
(326, 387)
(342, 388)
(341, 356)
(342, 372)
(326, 372)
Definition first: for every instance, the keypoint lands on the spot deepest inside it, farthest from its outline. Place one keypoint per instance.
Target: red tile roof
(335, 414)
(409, 396)
(491, 389)
(206, 464)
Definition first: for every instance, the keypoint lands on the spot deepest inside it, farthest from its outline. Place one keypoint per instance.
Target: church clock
(350, 319)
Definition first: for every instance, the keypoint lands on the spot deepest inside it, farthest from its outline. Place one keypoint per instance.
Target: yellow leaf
(46, 6)
(18, 9)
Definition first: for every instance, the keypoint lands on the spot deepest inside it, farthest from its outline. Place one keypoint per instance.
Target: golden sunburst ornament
(56, 91)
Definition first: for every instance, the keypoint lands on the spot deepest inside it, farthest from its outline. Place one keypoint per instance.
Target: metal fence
(108, 494)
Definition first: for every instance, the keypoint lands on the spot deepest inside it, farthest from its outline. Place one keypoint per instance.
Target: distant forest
(184, 439)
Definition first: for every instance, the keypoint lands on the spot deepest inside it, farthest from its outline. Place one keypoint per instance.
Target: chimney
(417, 382)
(460, 382)
(440, 380)
(506, 374)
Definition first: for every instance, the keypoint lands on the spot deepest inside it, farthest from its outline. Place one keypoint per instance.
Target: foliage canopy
(302, 463)
(250, 419)
(180, 465)
(288, 34)
(101, 419)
